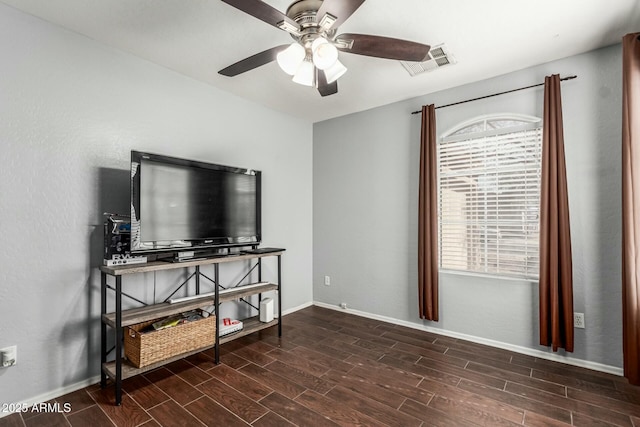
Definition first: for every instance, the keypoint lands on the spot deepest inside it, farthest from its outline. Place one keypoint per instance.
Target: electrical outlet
(327, 281)
(8, 356)
(578, 320)
(343, 305)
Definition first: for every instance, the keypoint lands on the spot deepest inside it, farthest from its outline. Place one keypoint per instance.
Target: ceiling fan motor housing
(304, 12)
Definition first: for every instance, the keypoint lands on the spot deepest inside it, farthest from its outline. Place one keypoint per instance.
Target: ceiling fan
(312, 59)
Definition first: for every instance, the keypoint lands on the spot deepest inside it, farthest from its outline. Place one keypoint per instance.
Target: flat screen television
(179, 204)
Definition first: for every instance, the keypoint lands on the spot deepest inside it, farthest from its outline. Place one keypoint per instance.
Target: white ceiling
(487, 38)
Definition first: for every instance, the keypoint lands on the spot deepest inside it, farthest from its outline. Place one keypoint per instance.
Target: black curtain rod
(496, 94)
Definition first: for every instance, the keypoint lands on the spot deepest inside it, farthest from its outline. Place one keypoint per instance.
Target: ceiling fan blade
(383, 47)
(264, 12)
(325, 88)
(340, 9)
(255, 61)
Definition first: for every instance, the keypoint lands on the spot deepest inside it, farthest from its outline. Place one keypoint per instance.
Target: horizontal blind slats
(489, 196)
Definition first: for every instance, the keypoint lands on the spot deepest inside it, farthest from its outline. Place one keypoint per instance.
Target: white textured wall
(70, 112)
(365, 209)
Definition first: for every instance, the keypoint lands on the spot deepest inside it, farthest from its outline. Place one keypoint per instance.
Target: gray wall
(365, 210)
(71, 110)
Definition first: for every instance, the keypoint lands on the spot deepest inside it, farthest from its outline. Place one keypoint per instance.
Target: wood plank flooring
(335, 369)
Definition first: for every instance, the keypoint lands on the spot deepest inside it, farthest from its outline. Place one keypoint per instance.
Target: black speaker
(117, 237)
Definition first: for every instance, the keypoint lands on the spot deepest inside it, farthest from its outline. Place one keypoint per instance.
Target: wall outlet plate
(8, 356)
(578, 320)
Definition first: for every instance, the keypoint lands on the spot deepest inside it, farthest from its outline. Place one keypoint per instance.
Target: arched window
(489, 196)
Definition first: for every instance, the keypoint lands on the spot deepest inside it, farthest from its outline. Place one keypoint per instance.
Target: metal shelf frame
(118, 369)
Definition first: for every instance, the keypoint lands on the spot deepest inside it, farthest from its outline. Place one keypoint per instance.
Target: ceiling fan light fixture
(334, 72)
(291, 58)
(325, 54)
(305, 73)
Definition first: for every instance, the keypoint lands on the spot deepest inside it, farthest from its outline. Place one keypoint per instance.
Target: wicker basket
(143, 349)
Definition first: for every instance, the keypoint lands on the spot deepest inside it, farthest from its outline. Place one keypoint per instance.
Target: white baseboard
(53, 394)
(300, 307)
(505, 346)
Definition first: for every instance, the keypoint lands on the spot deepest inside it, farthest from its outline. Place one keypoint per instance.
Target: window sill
(489, 276)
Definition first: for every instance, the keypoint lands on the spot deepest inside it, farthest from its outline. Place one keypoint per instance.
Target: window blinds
(489, 201)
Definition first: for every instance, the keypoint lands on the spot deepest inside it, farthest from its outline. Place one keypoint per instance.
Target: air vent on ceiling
(439, 56)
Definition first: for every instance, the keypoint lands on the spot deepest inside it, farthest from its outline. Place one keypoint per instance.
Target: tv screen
(178, 204)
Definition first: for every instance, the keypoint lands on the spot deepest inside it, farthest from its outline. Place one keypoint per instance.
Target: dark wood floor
(330, 368)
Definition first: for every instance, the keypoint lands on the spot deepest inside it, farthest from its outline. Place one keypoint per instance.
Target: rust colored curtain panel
(631, 206)
(556, 282)
(428, 218)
